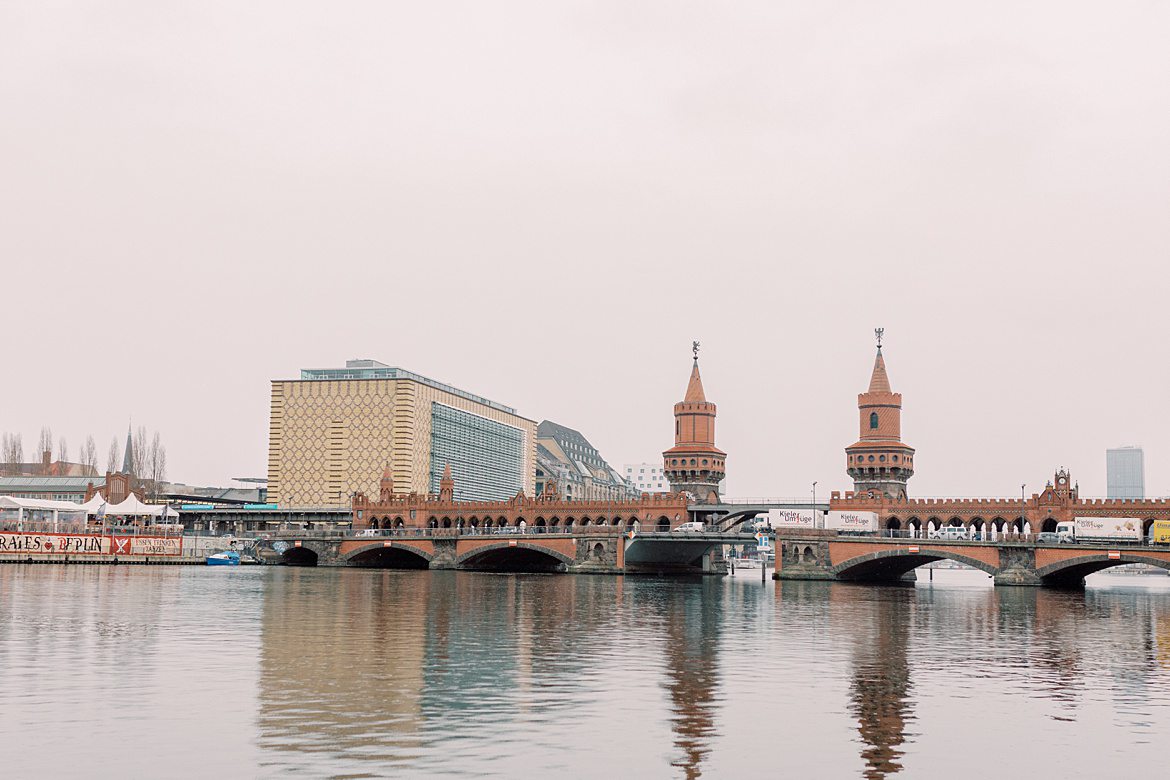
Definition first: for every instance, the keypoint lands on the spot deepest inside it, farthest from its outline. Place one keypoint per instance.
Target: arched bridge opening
(892, 565)
(382, 557)
(520, 558)
(299, 556)
(1071, 573)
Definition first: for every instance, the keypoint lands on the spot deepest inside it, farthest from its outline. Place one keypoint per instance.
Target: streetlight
(1023, 506)
(814, 505)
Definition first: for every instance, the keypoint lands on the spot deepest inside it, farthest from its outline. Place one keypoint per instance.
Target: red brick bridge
(823, 555)
(586, 550)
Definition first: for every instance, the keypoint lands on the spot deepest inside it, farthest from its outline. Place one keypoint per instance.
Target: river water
(273, 672)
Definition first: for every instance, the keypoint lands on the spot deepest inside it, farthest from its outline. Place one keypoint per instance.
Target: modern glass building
(486, 456)
(1125, 472)
(335, 431)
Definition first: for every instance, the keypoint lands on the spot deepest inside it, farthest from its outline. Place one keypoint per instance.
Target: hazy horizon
(544, 204)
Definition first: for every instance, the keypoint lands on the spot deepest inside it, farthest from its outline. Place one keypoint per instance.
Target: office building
(1125, 472)
(335, 431)
(646, 477)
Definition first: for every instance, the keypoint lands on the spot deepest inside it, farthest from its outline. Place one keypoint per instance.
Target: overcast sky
(544, 203)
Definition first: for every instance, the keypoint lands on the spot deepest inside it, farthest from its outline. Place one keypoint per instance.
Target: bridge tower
(879, 461)
(694, 463)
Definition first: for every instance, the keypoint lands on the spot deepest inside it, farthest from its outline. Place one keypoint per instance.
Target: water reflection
(287, 672)
(691, 618)
(880, 687)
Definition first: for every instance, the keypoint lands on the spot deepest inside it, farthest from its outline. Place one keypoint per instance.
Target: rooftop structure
(372, 369)
(565, 455)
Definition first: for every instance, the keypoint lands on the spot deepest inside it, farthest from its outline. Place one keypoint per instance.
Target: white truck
(1099, 529)
(790, 518)
(852, 522)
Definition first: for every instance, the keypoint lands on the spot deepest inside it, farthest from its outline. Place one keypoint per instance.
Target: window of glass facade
(486, 457)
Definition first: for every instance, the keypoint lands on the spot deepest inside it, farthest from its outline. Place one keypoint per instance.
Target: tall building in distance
(694, 463)
(566, 456)
(879, 461)
(1125, 472)
(646, 477)
(336, 431)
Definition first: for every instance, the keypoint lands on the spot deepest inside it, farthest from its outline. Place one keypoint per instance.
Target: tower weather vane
(878, 332)
(695, 349)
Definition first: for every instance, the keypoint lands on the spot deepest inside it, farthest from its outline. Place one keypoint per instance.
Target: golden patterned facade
(331, 438)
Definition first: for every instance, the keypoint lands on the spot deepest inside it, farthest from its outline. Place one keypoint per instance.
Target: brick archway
(524, 550)
(1072, 570)
(892, 564)
(396, 545)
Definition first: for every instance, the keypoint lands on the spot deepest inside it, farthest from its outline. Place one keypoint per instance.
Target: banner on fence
(88, 544)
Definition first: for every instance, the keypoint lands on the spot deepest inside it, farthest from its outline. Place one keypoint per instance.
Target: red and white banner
(88, 544)
(147, 545)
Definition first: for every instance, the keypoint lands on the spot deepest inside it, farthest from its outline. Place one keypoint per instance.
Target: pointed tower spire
(879, 461)
(695, 386)
(386, 488)
(694, 464)
(128, 455)
(879, 382)
(447, 485)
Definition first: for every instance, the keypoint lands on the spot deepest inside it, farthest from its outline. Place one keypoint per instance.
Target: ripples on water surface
(272, 672)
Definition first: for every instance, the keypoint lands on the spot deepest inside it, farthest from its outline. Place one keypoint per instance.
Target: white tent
(25, 505)
(12, 502)
(95, 506)
(132, 507)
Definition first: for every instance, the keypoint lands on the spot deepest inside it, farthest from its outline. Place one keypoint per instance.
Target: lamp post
(814, 503)
(1023, 507)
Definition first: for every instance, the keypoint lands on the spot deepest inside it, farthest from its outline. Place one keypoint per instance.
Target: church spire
(128, 454)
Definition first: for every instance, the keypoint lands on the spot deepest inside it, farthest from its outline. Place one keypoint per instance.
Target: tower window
(873, 420)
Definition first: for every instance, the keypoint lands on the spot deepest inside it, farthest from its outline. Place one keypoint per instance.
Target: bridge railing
(507, 532)
(770, 500)
(978, 538)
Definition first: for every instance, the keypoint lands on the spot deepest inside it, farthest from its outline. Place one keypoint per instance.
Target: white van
(693, 527)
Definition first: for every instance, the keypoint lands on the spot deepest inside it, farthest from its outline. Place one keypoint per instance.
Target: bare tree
(62, 449)
(46, 442)
(155, 460)
(13, 452)
(112, 460)
(6, 465)
(138, 461)
(89, 453)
